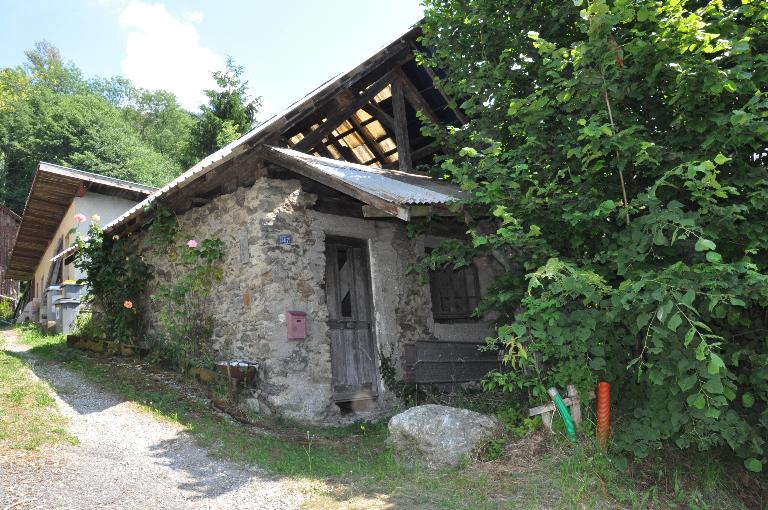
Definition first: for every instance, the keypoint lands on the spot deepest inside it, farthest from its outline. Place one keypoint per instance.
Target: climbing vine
(117, 276)
(183, 298)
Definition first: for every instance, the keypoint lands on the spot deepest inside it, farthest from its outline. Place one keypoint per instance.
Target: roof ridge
(94, 175)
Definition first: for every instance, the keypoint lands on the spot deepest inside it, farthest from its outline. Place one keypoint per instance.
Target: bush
(614, 164)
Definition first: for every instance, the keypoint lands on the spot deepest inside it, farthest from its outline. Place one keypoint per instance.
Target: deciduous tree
(615, 159)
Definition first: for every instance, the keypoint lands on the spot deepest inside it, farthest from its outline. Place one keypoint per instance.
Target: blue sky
(288, 47)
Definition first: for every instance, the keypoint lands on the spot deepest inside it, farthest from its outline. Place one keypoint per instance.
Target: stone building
(58, 194)
(313, 208)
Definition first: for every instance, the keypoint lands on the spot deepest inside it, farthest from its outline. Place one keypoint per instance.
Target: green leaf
(747, 400)
(754, 465)
(713, 385)
(688, 382)
(714, 257)
(738, 302)
(696, 400)
(715, 364)
(674, 322)
(689, 336)
(704, 245)
(721, 159)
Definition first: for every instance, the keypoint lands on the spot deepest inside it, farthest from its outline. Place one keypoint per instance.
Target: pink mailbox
(297, 325)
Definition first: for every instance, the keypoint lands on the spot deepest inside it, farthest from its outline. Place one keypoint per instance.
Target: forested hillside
(49, 111)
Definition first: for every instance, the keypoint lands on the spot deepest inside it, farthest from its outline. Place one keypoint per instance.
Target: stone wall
(256, 291)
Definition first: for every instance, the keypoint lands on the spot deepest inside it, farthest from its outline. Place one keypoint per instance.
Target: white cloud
(164, 52)
(194, 16)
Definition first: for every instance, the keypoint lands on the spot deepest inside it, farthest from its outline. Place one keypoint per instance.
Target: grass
(28, 415)
(351, 467)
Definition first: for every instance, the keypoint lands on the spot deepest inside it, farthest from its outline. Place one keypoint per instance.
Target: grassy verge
(28, 415)
(352, 468)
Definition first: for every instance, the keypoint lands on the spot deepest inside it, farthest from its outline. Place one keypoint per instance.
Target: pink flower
(128, 304)
(192, 243)
(80, 217)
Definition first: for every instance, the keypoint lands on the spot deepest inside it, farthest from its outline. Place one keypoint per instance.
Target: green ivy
(185, 317)
(614, 164)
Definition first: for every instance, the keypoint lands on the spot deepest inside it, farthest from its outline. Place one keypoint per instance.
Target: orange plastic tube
(603, 413)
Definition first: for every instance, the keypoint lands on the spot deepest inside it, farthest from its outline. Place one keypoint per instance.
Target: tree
(46, 67)
(615, 162)
(229, 114)
(49, 113)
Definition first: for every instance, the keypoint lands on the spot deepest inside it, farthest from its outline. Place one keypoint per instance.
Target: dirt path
(126, 458)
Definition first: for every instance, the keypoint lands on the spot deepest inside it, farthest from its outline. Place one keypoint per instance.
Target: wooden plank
(413, 95)
(332, 122)
(375, 149)
(450, 102)
(373, 212)
(377, 113)
(404, 160)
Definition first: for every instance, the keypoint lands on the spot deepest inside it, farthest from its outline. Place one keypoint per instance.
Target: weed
(352, 467)
(28, 416)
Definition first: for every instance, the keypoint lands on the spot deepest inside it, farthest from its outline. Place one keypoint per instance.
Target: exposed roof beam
(404, 160)
(377, 113)
(413, 95)
(377, 152)
(309, 142)
(432, 76)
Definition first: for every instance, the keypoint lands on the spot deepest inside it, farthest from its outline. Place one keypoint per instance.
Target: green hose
(570, 429)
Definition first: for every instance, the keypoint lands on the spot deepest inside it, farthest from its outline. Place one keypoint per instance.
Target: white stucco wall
(107, 207)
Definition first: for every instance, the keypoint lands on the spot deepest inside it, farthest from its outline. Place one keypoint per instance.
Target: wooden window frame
(470, 296)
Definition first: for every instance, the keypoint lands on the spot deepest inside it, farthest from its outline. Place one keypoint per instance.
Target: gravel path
(126, 458)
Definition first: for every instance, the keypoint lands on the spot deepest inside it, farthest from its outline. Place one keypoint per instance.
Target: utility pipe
(570, 429)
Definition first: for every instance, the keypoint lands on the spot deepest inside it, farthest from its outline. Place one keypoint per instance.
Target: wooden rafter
(405, 162)
(432, 76)
(332, 121)
(414, 96)
(377, 113)
(369, 141)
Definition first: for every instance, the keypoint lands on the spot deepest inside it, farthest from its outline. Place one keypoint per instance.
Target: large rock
(440, 436)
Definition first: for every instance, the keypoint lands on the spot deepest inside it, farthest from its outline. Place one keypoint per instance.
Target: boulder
(440, 436)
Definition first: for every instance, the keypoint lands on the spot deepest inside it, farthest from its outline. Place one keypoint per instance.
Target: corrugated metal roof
(391, 185)
(93, 178)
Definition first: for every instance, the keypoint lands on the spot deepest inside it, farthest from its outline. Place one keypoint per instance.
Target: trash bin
(52, 294)
(70, 289)
(66, 314)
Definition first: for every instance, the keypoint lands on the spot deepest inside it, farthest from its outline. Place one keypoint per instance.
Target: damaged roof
(390, 186)
(311, 125)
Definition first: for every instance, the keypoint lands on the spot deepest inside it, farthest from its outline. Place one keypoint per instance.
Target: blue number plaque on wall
(284, 239)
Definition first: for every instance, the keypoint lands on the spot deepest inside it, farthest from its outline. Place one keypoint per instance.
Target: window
(455, 293)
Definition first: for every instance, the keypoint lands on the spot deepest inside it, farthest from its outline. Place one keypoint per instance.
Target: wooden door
(348, 292)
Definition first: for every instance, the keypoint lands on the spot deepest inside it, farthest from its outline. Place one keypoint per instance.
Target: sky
(288, 47)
